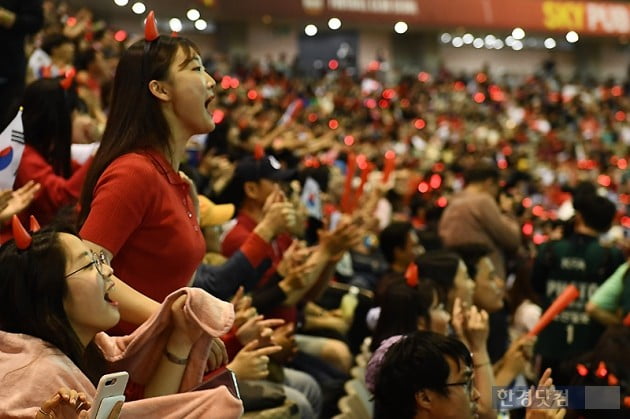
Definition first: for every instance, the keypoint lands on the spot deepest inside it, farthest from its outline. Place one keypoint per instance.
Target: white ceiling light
(550, 43)
(468, 38)
(310, 30)
(334, 23)
(193, 14)
(498, 44)
(478, 43)
(518, 33)
(509, 41)
(175, 24)
(201, 25)
(458, 41)
(517, 45)
(572, 37)
(138, 8)
(401, 27)
(446, 38)
(121, 3)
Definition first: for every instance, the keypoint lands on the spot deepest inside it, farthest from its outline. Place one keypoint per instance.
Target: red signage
(594, 17)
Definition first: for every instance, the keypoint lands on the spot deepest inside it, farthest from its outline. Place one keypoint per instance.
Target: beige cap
(212, 214)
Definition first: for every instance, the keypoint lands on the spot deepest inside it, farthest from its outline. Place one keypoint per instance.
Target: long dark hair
(401, 308)
(47, 119)
(135, 121)
(32, 290)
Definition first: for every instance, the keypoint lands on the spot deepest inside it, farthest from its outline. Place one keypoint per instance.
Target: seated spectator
(60, 50)
(450, 274)
(405, 309)
(54, 305)
(426, 375)
(49, 106)
(489, 294)
(399, 245)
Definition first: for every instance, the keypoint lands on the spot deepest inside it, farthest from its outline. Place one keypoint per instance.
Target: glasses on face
(468, 385)
(99, 260)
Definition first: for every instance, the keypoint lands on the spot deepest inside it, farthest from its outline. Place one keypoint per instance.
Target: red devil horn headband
(411, 275)
(150, 28)
(68, 79)
(259, 152)
(34, 225)
(22, 237)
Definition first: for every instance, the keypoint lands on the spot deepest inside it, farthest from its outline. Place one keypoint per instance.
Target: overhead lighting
(446, 38)
(334, 23)
(498, 44)
(193, 14)
(468, 38)
(517, 45)
(401, 27)
(478, 43)
(572, 37)
(550, 43)
(121, 3)
(310, 30)
(138, 8)
(458, 41)
(509, 41)
(175, 24)
(201, 25)
(518, 33)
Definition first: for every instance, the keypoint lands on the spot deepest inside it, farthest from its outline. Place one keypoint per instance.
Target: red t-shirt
(56, 191)
(143, 214)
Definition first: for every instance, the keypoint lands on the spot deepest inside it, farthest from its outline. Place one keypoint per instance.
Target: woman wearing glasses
(56, 299)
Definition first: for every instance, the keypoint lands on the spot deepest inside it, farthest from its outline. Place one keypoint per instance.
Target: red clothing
(56, 190)
(143, 214)
(245, 225)
(235, 239)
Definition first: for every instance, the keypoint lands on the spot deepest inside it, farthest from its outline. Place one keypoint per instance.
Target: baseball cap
(267, 167)
(250, 169)
(212, 214)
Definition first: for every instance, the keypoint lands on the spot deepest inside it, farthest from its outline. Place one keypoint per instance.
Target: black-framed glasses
(468, 385)
(98, 260)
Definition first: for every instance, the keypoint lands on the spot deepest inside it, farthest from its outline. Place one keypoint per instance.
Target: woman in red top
(47, 119)
(135, 206)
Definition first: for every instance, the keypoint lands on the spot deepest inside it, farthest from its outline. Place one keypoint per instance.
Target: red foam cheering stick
(569, 294)
(390, 164)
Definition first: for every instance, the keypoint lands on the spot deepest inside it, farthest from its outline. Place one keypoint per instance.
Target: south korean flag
(11, 149)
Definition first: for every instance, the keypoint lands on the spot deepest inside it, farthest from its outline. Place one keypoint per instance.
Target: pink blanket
(31, 370)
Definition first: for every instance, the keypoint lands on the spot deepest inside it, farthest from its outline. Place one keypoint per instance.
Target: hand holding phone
(110, 391)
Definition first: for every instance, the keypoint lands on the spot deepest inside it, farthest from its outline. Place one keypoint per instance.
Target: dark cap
(250, 169)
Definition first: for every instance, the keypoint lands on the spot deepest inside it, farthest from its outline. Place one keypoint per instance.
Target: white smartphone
(110, 390)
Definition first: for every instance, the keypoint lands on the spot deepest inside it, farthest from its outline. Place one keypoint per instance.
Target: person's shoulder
(132, 165)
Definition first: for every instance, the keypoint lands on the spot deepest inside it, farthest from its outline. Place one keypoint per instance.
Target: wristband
(483, 364)
(174, 359)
